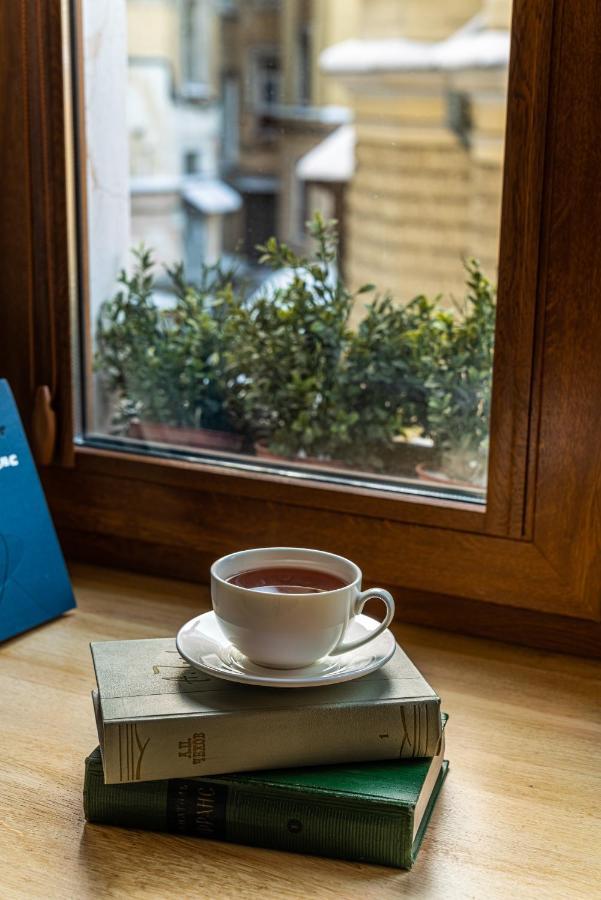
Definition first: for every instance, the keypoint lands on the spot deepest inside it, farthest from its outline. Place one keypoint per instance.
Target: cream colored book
(159, 718)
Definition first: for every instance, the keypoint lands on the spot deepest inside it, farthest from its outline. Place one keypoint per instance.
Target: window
(519, 559)
(375, 368)
(304, 63)
(265, 68)
(191, 30)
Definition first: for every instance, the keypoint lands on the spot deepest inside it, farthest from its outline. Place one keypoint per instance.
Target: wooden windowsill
(517, 814)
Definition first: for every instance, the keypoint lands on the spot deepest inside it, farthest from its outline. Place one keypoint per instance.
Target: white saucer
(202, 643)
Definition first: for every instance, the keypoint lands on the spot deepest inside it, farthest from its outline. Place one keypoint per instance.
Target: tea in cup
(286, 607)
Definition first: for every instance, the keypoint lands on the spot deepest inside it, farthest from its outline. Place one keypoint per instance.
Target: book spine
(300, 822)
(188, 746)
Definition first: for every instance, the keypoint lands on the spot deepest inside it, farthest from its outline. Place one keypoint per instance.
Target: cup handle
(342, 646)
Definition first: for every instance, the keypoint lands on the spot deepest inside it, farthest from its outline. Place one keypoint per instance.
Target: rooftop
(472, 47)
(332, 160)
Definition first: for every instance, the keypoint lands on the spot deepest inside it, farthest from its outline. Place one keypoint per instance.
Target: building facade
(427, 83)
(388, 115)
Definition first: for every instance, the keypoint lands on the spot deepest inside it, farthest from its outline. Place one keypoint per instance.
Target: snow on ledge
(466, 49)
(211, 196)
(332, 160)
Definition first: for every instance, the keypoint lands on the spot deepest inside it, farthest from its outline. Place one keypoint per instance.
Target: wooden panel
(206, 521)
(35, 346)
(523, 191)
(505, 824)
(16, 354)
(422, 509)
(567, 527)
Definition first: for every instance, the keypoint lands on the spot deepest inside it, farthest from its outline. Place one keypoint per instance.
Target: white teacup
(291, 630)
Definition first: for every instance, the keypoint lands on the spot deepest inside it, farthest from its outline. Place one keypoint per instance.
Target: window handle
(43, 426)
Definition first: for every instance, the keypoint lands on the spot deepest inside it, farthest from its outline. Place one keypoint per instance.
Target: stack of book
(346, 770)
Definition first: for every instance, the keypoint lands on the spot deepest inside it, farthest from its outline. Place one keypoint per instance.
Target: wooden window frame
(528, 567)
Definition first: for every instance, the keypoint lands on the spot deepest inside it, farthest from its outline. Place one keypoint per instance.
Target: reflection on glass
(296, 195)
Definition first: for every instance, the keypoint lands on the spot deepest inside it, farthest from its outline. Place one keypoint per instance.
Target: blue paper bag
(34, 584)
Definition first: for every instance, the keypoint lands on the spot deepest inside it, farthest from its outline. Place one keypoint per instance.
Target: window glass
(292, 220)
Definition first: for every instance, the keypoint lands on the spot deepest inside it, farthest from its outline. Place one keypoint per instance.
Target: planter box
(196, 438)
(262, 451)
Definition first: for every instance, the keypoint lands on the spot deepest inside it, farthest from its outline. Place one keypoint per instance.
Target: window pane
(292, 221)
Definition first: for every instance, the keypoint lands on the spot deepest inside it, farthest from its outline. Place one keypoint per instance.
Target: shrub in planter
(388, 361)
(284, 370)
(166, 365)
(293, 381)
(458, 380)
(284, 351)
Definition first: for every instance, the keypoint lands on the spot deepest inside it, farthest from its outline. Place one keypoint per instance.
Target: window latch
(43, 426)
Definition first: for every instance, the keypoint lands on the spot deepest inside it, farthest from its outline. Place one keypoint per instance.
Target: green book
(369, 812)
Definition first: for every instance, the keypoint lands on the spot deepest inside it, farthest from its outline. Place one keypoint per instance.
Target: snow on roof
(331, 160)
(154, 184)
(207, 194)
(211, 196)
(472, 47)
